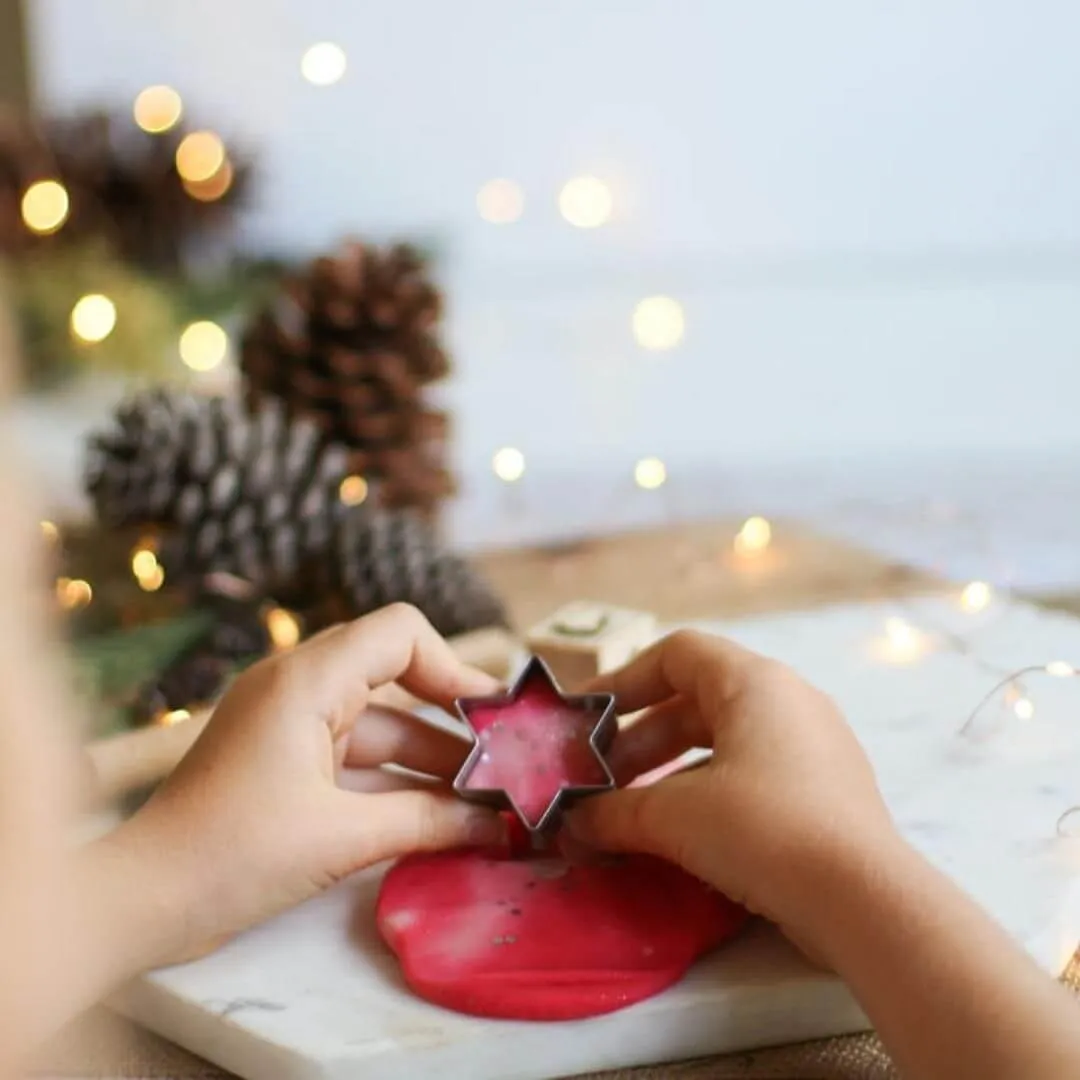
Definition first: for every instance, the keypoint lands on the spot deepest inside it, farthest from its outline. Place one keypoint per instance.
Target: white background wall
(870, 210)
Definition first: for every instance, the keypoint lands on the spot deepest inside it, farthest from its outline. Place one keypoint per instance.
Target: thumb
(391, 824)
(644, 819)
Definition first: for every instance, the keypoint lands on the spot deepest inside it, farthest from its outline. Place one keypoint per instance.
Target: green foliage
(45, 287)
(110, 668)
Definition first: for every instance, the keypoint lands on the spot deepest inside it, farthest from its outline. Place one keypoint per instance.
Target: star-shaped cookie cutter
(600, 738)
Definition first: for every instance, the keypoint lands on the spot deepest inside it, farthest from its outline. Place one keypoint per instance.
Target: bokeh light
(754, 536)
(650, 473)
(199, 156)
(203, 346)
(508, 464)
(324, 64)
(213, 188)
(500, 201)
(658, 323)
(353, 490)
(93, 318)
(45, 206)
(586, 202)
(157, 109)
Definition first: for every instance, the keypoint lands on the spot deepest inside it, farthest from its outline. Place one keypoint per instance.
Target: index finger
(393, 644)
(705, 668)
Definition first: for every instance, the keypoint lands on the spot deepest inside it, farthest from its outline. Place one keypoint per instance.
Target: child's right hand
(787, 791)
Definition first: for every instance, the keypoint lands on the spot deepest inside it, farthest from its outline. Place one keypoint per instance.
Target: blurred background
(696, 258)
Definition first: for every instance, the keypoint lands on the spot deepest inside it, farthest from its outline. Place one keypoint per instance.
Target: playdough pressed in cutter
(542, 939)
(536, 748)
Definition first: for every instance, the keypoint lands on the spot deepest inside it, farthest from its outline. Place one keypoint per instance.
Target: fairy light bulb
(650, 473)
(1024, 708)
(147, 571)
(158, 109)
(901, 643)
(199, 156)
(353, 490)
(508, 464)
(93, 318)
(658, 323)
(586, 202)
(214, 187)
(324, 63)
(500, 201)
(174, 717)
(283, 628)
(976, 596)
(1060, 669)
(45, 206)
(203, 346)
(754, 536)
(73, 593)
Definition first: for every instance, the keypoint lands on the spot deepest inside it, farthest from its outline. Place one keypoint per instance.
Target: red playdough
(541, 939)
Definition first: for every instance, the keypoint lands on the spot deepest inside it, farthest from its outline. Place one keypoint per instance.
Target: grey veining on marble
(314, 994)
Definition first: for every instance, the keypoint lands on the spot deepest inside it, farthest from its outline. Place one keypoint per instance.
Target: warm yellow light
(45, 206)
(1060, 669)
(1024, 708)
(283, 628)
(203, 346)
(153, 580)
(174, 716)
(500, 201)
(199, 156)
(93, 318)
(143, 563)
(147, 570)
(976, 596)
(49, 531)
(213, 188)
(755, 535)
(353, 490)
(902, 642)
(508, 464)
(73, 593)
(324, 63)
(658, 323)
(585, 202)
(650, 473)
(157, 109)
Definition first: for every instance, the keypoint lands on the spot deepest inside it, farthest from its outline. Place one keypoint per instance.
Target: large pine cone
(352, 344)
(260, 496)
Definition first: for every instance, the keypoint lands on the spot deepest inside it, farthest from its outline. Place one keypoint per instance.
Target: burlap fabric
(640, 571)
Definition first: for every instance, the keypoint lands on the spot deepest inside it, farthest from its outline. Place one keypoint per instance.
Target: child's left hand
(256, 819)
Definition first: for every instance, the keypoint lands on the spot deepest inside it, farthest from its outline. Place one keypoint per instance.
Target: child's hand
(787, 787)
(254, 820)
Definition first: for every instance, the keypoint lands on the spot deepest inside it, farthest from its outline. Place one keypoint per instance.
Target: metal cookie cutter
(602, 706)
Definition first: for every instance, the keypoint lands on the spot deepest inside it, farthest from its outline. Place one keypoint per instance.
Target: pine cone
(352, 344)
(260, 497)
(122, 184)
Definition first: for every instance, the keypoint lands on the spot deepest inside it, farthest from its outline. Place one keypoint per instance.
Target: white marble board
(314, 994)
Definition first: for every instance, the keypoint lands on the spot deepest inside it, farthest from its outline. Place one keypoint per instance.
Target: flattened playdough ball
(540, 939)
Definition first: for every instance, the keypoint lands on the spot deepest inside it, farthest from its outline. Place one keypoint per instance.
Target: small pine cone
(233, 492)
